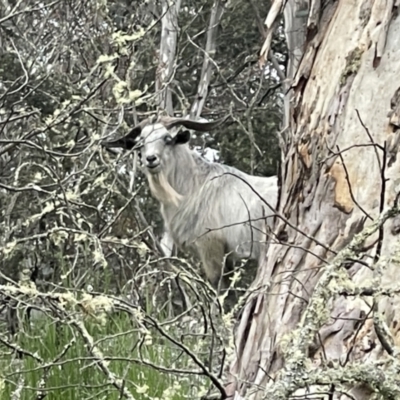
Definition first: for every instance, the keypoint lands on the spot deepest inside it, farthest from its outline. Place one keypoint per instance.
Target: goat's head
(157, 139)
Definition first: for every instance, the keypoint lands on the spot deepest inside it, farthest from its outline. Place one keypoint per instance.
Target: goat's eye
(168, 139)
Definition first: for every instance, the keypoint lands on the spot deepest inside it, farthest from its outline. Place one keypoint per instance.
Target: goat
(210, 207)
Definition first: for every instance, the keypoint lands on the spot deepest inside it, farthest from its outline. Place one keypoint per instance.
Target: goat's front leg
(167, 244)
(212, 257)
(218, 268)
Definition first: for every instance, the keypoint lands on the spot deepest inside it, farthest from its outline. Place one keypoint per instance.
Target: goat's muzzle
(152, 164)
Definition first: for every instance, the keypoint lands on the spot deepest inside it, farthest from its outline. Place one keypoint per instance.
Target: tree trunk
(169, 37)
(324, 313)
(209, 52)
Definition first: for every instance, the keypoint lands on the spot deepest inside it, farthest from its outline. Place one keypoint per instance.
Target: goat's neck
(163, 191)
(186, 173)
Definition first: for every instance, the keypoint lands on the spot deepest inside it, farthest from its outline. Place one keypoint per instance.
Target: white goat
(215, 209)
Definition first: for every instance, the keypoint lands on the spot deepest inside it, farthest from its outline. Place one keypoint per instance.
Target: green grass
(76, 375)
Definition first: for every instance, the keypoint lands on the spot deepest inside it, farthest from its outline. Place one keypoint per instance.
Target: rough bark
(295, 31)
(316, 316)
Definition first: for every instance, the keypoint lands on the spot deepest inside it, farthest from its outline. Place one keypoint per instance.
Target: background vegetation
(78, 228)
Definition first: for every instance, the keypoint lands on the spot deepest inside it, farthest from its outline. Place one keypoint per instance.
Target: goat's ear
(127, 142)
(182, 137)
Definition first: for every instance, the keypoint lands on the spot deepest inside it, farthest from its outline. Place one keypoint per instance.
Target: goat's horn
(128, 141)
(170, 122)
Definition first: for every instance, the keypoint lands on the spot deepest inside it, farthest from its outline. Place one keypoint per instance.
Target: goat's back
(227, 207)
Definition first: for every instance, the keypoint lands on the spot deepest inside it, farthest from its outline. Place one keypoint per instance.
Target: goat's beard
(162, 190)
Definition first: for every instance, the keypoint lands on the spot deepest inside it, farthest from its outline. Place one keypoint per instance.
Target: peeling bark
(339, 172)
(295, 32)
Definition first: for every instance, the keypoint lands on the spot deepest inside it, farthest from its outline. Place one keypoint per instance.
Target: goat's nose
(151, 159)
